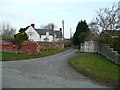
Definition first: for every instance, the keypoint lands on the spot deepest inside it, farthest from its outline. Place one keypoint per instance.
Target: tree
(7, 31)
(94, 29)
(107, 18)
(48, 26)
(80, 33)
(19, 38)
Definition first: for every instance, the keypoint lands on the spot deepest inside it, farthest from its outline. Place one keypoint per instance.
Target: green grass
(7, 56)
(98, 68)
(79, 51)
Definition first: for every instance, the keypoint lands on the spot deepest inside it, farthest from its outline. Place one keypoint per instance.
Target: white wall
(90, 46)
(33, 35)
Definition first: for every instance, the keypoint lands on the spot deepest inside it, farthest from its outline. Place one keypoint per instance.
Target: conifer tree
(81, 33)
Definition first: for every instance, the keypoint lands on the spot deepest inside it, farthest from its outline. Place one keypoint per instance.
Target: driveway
(48, 72)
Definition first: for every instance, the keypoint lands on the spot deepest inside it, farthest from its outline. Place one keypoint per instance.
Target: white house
(43, 35)
(89, 46)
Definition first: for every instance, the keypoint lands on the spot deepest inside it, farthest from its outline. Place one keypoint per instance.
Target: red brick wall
(28, 48)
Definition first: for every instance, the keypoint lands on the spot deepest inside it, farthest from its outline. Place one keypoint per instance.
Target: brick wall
(31, 47)
(42, 46)
(67, 42)
(28, 48)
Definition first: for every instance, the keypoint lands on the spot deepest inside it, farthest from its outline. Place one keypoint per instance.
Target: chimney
(60, 29)
(52, 27)
(33, 25)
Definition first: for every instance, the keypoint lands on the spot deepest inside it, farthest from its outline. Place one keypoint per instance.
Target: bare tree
(94, 29)
(107, 18)
(48, 26)
(6, 31)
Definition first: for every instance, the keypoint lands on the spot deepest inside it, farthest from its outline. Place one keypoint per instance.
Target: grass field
(7, 56)
(97, 67)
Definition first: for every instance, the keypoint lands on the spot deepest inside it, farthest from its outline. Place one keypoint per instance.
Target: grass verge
(7, 56)
(98, 68)
(79, 51)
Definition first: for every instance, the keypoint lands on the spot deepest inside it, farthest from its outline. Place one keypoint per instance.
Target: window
(30, 33)
(46, 39)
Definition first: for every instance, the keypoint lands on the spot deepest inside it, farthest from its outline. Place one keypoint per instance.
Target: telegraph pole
(70, 33)
(71, 40)
(63, 28)
(53, 31)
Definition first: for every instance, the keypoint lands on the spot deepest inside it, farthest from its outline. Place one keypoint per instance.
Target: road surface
(47, 72)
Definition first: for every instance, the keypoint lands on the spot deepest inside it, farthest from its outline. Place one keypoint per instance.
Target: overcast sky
(21, 13)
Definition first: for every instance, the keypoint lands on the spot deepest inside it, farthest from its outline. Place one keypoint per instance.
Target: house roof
(43, 32)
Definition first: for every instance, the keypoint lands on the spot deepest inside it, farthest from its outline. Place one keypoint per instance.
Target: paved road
(47, 72)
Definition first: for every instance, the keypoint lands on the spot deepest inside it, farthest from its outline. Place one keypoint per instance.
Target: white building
(43, 35)
(89, 46)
